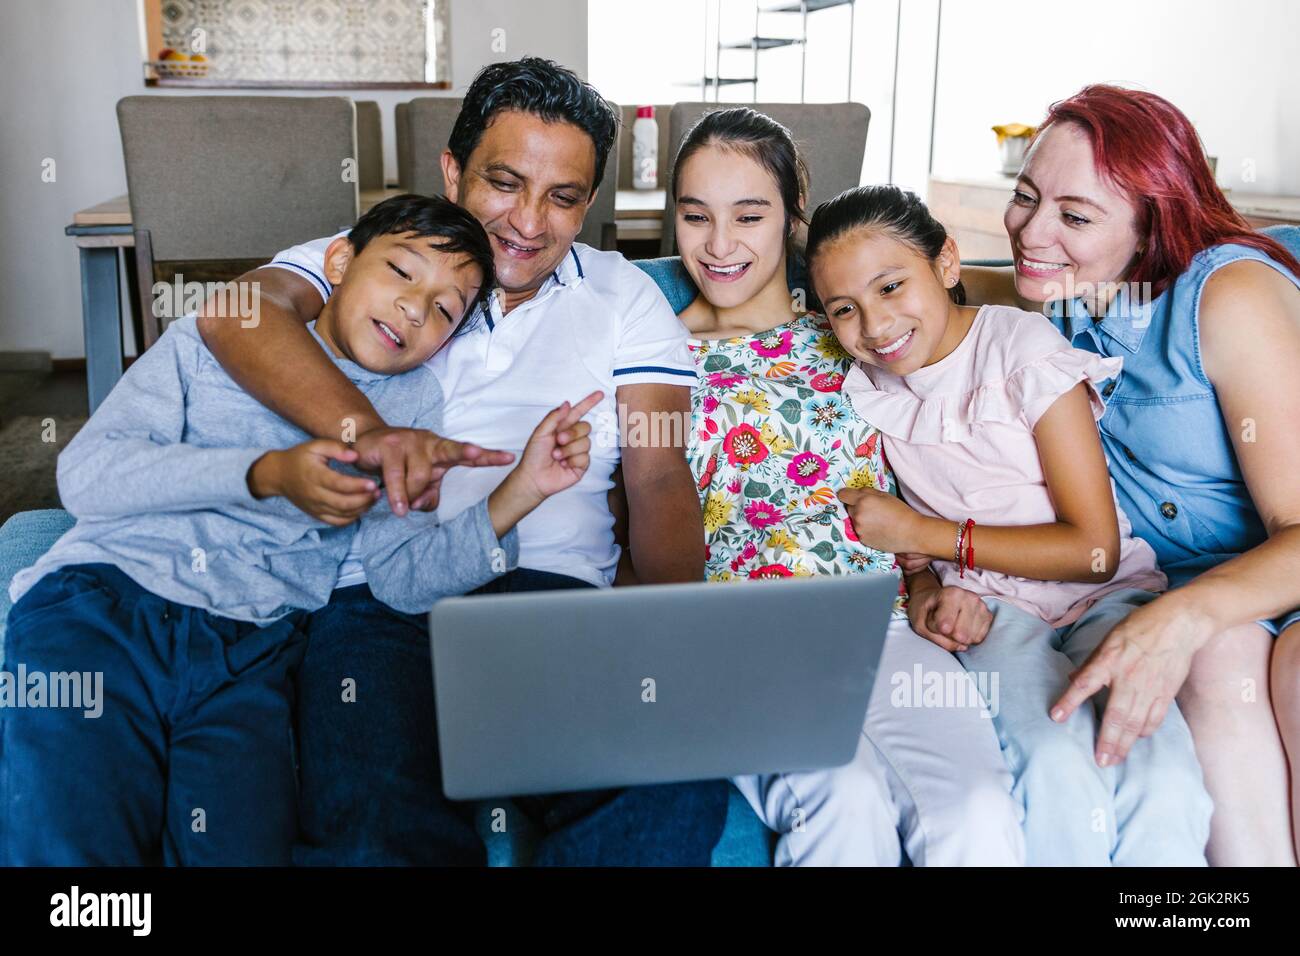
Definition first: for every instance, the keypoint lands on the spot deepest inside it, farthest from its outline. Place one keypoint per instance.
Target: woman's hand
(1144, 661)
(880, 520)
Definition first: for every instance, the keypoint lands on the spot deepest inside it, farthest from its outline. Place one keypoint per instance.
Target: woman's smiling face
(730, 225)
(1071, 231)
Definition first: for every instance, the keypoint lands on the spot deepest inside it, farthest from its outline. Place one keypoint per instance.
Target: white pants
(928, 777)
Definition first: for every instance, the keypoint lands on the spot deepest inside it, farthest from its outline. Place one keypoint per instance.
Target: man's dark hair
(537, 86)
(432, 217)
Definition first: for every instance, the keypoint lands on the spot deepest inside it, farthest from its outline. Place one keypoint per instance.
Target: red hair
(1144, 144)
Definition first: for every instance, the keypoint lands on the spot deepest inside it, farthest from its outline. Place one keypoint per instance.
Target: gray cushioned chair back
(402, 137)
(429, 123)
(237, 177)
(831, 136)
(370, 145)
(598, 228)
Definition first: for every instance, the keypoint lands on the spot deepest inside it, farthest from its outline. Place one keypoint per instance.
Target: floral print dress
(772, 439)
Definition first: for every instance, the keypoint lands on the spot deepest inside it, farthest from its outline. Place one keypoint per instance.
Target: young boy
(185, 581)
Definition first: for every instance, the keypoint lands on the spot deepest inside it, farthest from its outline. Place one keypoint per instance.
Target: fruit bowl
(171, 63)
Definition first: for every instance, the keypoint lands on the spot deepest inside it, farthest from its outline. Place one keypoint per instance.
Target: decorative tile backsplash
(324, 40)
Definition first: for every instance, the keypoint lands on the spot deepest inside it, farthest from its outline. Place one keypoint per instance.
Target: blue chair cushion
(744, 842)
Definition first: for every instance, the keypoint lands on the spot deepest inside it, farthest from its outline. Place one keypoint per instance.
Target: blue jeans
(190, 760)
(1150, 810)
(371, 778)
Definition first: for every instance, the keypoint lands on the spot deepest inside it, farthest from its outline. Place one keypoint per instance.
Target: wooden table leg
(101, 316)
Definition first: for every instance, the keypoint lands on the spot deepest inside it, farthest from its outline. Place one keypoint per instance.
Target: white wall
(635, 59)
(1230, 65)
(62, 112)
(556, 29)
(64, 64)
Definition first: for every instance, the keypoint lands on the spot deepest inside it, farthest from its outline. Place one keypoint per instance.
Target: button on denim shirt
(1170, 451)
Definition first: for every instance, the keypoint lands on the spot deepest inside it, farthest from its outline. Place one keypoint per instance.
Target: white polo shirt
(597, 322)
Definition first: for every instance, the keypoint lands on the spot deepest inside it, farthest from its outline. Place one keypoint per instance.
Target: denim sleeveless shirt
(1170, 451)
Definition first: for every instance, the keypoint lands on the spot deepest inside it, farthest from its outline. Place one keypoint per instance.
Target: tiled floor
(39, 414)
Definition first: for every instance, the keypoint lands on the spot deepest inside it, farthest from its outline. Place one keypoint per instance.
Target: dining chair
(402, 136)
(219, 184)
(599, 228)
(831, 136)
(429, 123)
(370, 146)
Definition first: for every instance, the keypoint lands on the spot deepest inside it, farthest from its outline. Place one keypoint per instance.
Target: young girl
(989, 423)
(771, 438)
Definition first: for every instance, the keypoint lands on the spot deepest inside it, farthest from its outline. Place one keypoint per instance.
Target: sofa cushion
(24, 538)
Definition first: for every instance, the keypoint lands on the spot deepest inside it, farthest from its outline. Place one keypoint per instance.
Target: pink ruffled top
(959, 435)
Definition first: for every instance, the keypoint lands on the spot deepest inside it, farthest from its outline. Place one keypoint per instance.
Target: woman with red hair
(1121, 235)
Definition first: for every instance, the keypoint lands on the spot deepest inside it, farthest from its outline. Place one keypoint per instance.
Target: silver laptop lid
(551, 691)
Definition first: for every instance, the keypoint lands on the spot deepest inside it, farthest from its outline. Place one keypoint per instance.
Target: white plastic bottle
(645, 149)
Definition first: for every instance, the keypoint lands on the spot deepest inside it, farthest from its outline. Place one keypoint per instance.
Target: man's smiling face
(529, 182)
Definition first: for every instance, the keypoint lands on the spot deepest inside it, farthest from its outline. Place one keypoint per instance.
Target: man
(524, 157)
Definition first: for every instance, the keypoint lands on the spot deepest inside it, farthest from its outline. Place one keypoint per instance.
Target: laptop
(552, 691)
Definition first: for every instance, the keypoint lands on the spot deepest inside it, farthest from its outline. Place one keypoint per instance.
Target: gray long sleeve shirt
(157, 480)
